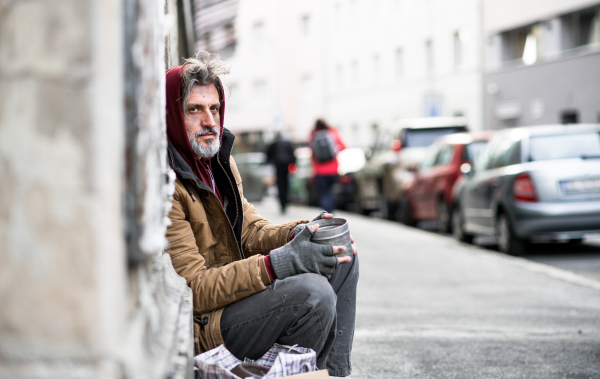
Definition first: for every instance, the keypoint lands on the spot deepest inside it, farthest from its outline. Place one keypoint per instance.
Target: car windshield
(565, 146)
(425, 137)
(473, 149)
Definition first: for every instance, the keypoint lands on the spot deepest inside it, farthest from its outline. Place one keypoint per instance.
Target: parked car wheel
(388, 209)
(313, 194)
(392, 211)
(576, 241)
(458, 228)
(508, 243)
(444, 217)
(358, 208)
(406, 216)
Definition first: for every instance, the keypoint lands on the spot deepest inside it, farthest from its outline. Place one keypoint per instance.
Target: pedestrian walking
(281, 154)
(326, 143)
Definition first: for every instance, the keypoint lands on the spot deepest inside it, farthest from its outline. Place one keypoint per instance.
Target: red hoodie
(177, 134)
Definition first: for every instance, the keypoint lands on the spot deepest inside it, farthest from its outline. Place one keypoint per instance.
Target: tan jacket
(204, 248)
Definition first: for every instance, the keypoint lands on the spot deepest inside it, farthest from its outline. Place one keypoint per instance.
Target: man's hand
(325, 214)
(302, 256)
(322, 215)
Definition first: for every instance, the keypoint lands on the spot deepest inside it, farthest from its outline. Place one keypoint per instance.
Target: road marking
(553, 272)
(470, 332)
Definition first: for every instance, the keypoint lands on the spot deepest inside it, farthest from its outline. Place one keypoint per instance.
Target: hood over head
(177, 134)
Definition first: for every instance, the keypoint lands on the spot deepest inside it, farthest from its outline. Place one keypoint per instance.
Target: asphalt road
(429, 307)
(582, 259)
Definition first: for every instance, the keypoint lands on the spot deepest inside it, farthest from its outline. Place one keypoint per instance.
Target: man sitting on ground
(254, 283)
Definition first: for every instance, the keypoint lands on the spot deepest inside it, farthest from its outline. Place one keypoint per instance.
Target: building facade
(542, 63)
(360, 64)
(277, 68)
(394, 59)
(214, 26)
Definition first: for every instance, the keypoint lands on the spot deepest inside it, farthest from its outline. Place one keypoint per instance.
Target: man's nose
(208, 121)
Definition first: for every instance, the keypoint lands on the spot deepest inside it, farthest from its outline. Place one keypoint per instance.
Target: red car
(429, 195)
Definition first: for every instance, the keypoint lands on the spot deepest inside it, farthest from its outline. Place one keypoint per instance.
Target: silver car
(533, 184)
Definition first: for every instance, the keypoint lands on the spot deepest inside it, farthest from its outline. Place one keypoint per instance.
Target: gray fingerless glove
(302, 256)
(320, 216)
(299, 227)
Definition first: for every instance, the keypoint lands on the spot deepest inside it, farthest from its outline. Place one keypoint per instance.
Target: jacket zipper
(232, 190)
(210, 329)
(234, 197)
(236, 207)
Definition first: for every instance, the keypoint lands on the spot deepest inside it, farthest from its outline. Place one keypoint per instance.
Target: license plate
(580, 186)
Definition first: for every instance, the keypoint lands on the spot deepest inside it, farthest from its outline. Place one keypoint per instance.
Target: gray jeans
(306, 309)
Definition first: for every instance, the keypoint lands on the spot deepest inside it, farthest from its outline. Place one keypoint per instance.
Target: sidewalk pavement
(429, 307)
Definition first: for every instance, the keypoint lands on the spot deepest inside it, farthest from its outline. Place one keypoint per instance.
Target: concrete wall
(82, 293)
(542, 91)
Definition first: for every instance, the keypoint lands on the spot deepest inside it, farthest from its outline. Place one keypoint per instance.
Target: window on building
(355, 74)
(339, 76)
(429, 55)
(229, 34)
(375, 136)
(399, 63)
(307, 90)
(581, 28)
(589, 27)
(305, 26)
(513, 43)
(260, 94)
(570, 116)
(233, 98)
(352, 10)
(337, 15)
(376, 68)
(531, 48)
(259, 32)
(207, 39)
(459, 37)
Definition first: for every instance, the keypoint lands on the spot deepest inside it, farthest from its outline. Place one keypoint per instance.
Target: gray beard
(206, 151)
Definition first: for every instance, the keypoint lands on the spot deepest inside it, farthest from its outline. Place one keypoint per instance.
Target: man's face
(202, 120)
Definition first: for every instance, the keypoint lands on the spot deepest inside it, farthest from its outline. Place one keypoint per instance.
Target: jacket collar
(183, 170)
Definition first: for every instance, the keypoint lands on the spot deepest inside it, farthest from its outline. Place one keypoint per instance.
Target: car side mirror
(467, 170)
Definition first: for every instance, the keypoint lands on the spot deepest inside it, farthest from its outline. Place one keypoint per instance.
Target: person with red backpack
(326, 143)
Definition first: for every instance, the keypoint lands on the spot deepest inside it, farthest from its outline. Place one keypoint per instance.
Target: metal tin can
(333, 231)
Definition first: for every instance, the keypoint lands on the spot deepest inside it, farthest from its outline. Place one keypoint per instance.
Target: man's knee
(312, 290)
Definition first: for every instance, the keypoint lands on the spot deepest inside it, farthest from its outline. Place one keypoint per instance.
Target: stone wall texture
(85, 288)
